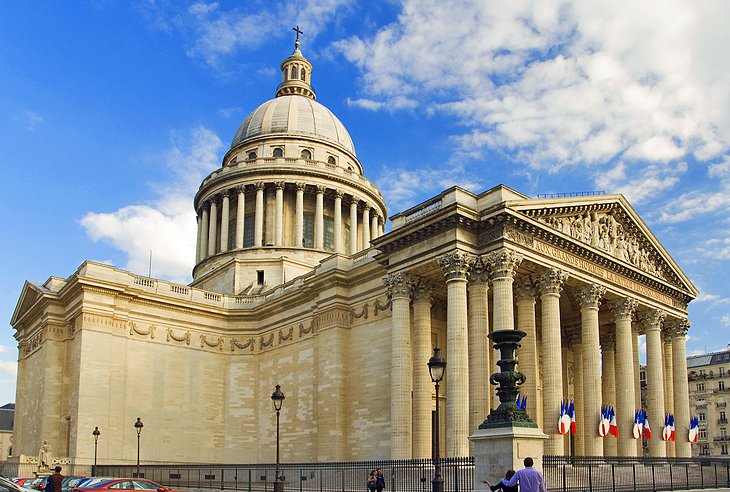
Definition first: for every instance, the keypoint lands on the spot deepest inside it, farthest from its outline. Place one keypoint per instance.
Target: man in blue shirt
(530, 479)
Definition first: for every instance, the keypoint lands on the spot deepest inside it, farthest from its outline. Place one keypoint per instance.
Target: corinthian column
(338, 222)
(550, 284)
(654, 379)
(504, 264)
(279, 214)
(422, 386)
(527, 353)
(668, 381)
(319, 219)
(623, 312)
(240, 216)
(579, 439)
(608, 377)
(212, 227)
(299, 216)
(204, 233)
(589, 298)
(479, 350)
(258, 230)
(353, 226)
(374, 225)
(456, 269)
(682, 448)
(366, 227)
(225, 218)
(399, 289)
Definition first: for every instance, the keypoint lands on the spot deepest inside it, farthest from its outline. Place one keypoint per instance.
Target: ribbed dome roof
(292, 116)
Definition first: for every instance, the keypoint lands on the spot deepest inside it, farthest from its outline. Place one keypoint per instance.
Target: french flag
(694, 429)
(638, 425)
(673, 435)
(571, 414)
(613, 427)
(647, 429)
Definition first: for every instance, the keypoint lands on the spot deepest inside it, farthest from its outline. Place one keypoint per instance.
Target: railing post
(653, 478)
(671, 476)
(565, 484)
(590, 477)
(702, 476)
(633, 470)
(613, 477)
(686, 472)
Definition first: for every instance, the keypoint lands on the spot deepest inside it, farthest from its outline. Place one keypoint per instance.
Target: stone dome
(294, 115)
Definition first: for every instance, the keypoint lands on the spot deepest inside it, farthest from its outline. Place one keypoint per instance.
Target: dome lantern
(296, 74)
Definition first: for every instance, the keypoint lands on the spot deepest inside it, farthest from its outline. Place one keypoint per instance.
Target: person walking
(372, 481)
(530, 480)
(55, 481)
(379, 480)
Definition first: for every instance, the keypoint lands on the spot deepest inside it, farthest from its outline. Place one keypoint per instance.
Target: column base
(499, 449)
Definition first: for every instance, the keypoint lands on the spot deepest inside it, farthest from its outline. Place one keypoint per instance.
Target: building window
(260, 277)
(701, 417)
(331, 160)
(308, 237)
(723, 449)
(306, 154)
(285, 74)
(251, 155)
(700, 386)
(721, 385)
(329, 233)
(304, 74)
(705, 451)
(278, 152)
(248, 230)
(294, 73)
(703, 434)
(721, 371)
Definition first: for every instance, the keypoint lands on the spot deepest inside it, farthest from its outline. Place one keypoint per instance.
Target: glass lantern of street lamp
(436, 366)
(277, 397)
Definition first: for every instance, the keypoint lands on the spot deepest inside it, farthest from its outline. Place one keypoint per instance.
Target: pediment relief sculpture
(608, 230)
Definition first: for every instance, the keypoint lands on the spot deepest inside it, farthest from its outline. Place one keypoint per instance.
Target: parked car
(22, 481)
(123, 484)
(7, 485)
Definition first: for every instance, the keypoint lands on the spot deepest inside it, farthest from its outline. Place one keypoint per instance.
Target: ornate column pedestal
(508, 436)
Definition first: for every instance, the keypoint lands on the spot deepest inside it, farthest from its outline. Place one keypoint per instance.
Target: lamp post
(138, 426)
(278, 398)
(96, 433)
(436, 367)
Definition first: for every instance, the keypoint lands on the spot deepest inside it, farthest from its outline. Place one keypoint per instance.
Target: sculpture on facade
(44, 457)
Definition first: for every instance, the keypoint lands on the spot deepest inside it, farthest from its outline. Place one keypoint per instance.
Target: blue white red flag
(673, 436)
(638, 429)
(605, 421)
(667, 428)
(571, 415)
(647, 429)
(613, 427)
(694, 429)
(564, 419)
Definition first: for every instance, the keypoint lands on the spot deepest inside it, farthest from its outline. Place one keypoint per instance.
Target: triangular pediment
(30, 294)
(609, 224)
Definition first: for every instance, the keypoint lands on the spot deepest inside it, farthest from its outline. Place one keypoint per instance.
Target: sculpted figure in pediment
(602, 230)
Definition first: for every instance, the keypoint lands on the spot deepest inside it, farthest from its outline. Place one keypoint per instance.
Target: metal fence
(612, 474)
(400, 475)
(566, 474)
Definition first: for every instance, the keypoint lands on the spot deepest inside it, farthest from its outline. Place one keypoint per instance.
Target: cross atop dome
(296, 73)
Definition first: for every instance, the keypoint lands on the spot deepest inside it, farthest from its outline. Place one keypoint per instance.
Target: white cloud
(216, 32)
(9, 367)
(560, 84)
(165, 226)
(725, 320)
(401, 185)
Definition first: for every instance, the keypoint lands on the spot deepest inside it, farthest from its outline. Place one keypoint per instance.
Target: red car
(122, 484)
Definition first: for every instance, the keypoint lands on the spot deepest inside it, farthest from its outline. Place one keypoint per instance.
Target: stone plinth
(497, 450)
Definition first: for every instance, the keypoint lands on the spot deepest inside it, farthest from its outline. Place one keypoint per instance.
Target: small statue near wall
(44, 457)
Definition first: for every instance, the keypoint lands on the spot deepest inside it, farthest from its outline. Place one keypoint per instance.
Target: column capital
(423, 290)
(339, 193)
(279, 185)
(652, 320)
(354, 200)
(481, 272)
(319, 189)
(590, 295)
(573, 337)
(398, 285)
(455, 265)
(624, 308)
(504, 263)
(524, 289)
(215, 199)
(225, 194)
(608, 342)
(259, 185)
(551, 281)
(300, 186)
(678, 327)
(240, 189)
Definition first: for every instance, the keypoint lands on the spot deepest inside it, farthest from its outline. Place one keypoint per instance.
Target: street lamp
(436, 367)
(138, 426)
(96, 435)
(278, 398)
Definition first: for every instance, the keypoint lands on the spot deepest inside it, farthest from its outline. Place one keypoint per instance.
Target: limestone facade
(298, 284)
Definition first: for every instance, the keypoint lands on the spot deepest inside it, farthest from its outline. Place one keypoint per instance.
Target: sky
(111, 114)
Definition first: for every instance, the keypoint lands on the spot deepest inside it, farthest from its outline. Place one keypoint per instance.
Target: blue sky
(112, 112)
